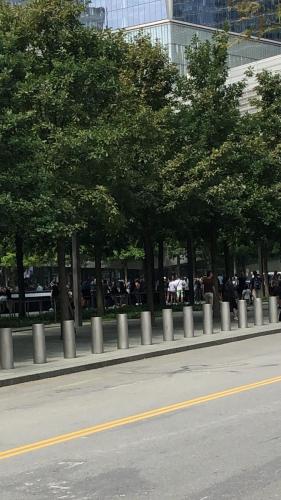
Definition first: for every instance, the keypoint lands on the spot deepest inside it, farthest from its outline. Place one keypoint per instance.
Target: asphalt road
(103, 443)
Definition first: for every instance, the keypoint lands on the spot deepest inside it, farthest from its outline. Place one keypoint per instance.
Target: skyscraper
(239, 16)
(174, 23)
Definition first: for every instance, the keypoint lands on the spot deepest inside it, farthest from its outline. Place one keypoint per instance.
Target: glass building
(213, 13)
(175, 22)
(176, 36)
(125, 13)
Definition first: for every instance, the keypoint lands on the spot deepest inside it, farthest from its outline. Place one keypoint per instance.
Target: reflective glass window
(124, 13)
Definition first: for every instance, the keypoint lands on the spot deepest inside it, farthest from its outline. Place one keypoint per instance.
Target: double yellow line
(63, 438)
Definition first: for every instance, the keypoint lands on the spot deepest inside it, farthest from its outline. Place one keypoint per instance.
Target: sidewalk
(26, 371)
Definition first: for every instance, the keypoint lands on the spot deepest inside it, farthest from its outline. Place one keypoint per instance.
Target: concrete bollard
(225, 317)
(6, 349)
(69, 345)
(122, 331)
(258, 313)
(96, 335)
(188, 323)
(207, 319)
(168, 325)
(273, 310)
(39, 343)
(146, 328)
(242, 314)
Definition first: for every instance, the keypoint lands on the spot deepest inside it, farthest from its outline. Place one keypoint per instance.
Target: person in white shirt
(247, 295)
(172, 291)
(182, 286)
(178, 288)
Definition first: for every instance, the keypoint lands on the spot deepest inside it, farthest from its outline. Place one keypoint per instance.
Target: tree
(144, 145)
(75, 89)
(208, 113)
(20, 172)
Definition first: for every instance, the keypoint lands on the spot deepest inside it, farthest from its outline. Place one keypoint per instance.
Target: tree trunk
(149, 263)
(63, 295)
(214, 258)
(20, 274)
(260, 263)
(99, 288)
(265, 267)
(235, 266)
(126, 272)
(76, 280)
(178, 271)
(227, 264)
(162, 298)
(190, 268)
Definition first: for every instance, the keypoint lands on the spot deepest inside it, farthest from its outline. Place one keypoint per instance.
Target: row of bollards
(97, 347)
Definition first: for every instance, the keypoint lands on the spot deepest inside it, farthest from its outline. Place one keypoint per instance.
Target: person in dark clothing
(241, 284)
(229, 295)
(256, 285)
(274, 283)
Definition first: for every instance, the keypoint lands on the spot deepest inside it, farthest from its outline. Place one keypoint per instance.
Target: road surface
(199, 425)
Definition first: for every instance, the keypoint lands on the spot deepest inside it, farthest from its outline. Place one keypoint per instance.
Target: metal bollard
(242, 314)
(225, 317)
(188, 323)
(122, 330)
(97, 335)
(207, 319)
(168, 325)
(69, 345)
(39, 343)
(273, 310)
(6, 349)
(146, 328)
(258, 313)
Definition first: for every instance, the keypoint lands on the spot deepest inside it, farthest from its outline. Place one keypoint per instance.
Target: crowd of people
(115, 293)
(236, 288)
(177, 290)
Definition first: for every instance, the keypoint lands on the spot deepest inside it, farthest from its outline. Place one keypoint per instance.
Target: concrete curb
(65, 370)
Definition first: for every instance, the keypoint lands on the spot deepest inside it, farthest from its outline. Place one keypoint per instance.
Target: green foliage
(197, 182)
(99, 135)
(130, 253)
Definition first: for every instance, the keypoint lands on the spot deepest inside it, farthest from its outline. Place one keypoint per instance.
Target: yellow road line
(134, 418)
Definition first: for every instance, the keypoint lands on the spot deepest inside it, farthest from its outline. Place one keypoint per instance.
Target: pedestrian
(209, 288)
(274, 285)
(172, 291)
(197, 290)
(256, 285)
(138, 293)
(229, 295)
(55, 297)
(180, 285)
(241, 284)
(186, 297)
(246, 295)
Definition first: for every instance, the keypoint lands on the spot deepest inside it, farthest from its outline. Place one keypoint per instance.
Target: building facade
(177, 35)
(174, 23)
(214, 13)
(237, 74)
